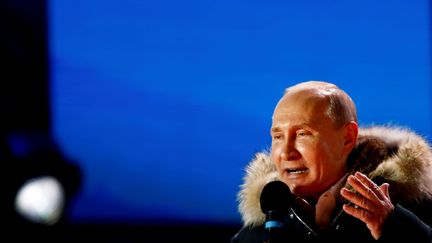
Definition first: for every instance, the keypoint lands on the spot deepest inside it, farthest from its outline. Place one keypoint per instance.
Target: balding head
(314, 128)
(340, 107)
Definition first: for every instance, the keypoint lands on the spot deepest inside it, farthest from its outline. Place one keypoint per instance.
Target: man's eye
(302, 133)
(277, 137)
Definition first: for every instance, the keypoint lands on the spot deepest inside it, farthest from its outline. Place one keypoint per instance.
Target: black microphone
(275, 199)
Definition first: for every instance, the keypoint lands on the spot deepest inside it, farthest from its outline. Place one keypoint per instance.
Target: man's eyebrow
(278, 129)
(275, 129)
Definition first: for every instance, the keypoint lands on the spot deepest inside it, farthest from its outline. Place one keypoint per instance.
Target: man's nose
(289, 151)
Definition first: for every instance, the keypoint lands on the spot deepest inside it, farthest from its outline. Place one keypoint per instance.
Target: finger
(370, 184)
(357, 199)
(363, 215)
(385, 188)
(362, 188)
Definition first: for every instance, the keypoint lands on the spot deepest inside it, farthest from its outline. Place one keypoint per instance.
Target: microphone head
(276, 196)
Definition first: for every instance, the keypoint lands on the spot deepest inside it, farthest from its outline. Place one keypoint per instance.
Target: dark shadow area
(39, 180)
(151, 233)
(24, 98)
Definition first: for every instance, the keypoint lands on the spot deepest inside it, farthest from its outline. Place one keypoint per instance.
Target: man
(350, 184)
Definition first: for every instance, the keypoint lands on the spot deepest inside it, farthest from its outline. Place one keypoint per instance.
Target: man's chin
(301, 190)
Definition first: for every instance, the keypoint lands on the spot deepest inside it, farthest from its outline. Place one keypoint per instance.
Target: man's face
(307, 149)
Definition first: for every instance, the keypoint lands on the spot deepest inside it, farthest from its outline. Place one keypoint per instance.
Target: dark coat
(386, 154)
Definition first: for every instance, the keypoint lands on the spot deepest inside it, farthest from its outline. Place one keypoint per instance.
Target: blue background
(162, 103)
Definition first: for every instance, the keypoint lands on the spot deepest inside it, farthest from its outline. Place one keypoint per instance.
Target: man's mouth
(297, 171)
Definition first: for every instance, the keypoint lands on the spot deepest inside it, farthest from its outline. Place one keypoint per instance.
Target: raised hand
(371, 204)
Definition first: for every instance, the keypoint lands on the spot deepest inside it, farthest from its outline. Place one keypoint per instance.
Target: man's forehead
(307, 99)
(301, 106)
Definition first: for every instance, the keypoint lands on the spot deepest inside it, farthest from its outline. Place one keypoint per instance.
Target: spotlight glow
(41, 200)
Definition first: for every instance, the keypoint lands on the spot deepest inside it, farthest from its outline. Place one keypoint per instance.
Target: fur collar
(400, 156)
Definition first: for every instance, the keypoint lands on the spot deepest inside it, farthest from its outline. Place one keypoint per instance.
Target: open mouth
(297, 171)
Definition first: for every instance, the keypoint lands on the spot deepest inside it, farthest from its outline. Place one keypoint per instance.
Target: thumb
(385, 188)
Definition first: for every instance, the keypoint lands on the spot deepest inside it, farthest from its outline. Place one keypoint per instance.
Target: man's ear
(350, 136)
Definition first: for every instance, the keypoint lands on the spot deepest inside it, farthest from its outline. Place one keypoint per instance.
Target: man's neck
(321, 208)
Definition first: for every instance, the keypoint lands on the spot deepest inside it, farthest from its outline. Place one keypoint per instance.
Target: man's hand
(371, 204)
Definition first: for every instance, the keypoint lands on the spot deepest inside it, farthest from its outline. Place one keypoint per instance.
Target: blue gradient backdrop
(162, 102)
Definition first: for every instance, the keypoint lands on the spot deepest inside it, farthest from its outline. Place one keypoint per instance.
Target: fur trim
(409, 169)
(399, 155)
(260, 171)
